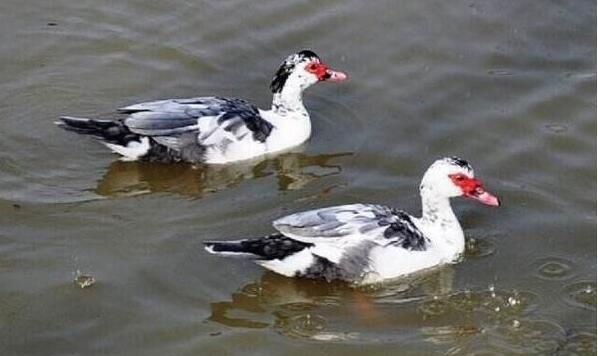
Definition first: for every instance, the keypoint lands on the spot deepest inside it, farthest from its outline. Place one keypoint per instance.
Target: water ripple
(553, 268)
(581, 294)
(495, 303)
(478, 248)
(492, 322)
(301, 325)
(581, 343)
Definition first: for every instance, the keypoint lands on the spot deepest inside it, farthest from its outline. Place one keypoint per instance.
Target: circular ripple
(491, 322)
(553, 268)
(499, 304)
(301, 326)
(529, 337)
(581, 294)
(476, 248)
(253, 290)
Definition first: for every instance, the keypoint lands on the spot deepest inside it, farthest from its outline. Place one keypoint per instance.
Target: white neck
(440, 220)
(289, 100)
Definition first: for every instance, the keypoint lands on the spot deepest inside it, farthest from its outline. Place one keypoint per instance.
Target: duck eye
(312, 67)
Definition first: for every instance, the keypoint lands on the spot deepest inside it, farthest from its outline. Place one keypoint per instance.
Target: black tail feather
(276, 246)
(107, 130)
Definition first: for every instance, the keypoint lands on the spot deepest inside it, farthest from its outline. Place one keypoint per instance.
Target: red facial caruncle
(322, 72)
(472, 188)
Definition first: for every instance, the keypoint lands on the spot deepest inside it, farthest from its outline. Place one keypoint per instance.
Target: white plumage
(214, 130)
(366, 243)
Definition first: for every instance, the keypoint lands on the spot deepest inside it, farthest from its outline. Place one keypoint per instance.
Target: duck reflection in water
(292, 170)
(315, 309)
(426, 306)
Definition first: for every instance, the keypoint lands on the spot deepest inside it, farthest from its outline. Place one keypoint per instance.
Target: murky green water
(511, 86)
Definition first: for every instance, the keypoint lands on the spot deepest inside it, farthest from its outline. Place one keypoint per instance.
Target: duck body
(367, 243)
(213, 130)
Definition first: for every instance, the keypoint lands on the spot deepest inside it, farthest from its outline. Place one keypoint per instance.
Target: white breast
(289, 131)
(445, 247)
(224, 147)
(230, 150)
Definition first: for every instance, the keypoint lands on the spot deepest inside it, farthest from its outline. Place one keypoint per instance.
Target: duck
(369, 243)
(213, 129)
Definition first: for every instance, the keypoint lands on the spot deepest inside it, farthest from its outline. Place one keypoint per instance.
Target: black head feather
(287, 66)
(306, 53)
(459, 162)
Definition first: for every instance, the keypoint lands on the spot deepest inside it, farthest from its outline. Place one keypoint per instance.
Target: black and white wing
(202, 121)
(335, 231)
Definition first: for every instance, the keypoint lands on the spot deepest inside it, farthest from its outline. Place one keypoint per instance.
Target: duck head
(301, 70)
(454, 177)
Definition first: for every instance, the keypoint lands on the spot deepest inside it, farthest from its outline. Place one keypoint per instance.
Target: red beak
(334, 76)
(483, 197)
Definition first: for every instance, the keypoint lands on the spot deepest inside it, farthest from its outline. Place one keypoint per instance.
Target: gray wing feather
(176, 116)
(334, 221)
(209, 103)
(151, 123)
(384, 225)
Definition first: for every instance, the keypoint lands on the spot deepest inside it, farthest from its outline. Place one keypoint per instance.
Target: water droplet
(83, 280)
(512, 301)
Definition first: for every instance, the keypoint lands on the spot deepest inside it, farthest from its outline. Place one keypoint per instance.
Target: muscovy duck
(367, 243)
(214, 130)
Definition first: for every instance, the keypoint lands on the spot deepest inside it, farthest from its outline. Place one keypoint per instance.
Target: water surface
(510, 86)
